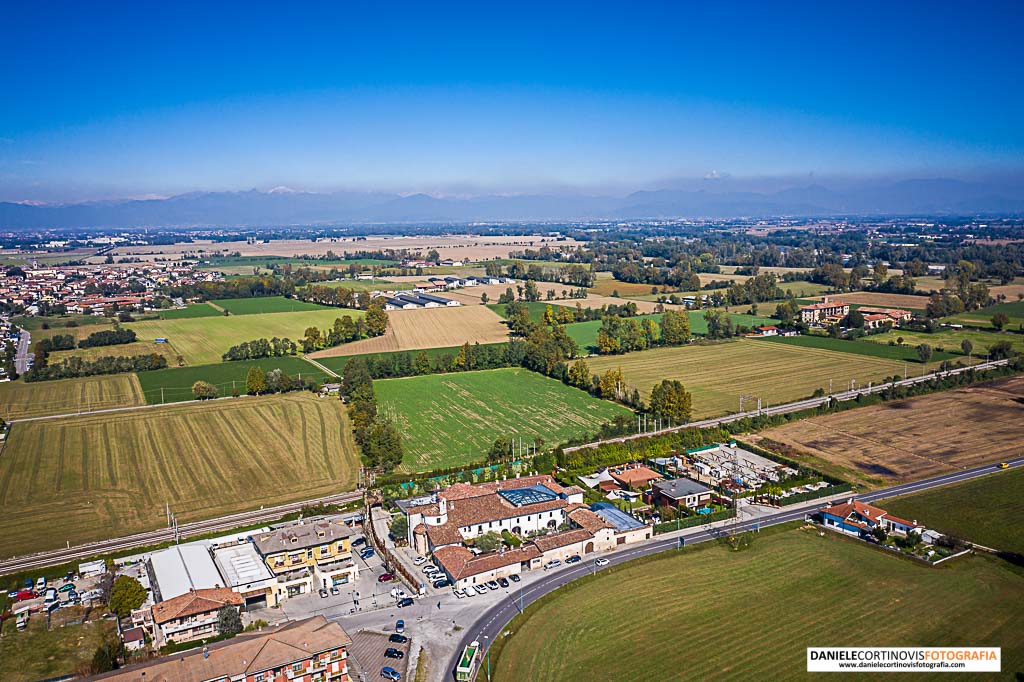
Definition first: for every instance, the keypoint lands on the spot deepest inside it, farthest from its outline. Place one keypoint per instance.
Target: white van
(40, 584)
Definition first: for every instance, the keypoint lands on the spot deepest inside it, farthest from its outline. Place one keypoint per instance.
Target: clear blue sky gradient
(131, 98)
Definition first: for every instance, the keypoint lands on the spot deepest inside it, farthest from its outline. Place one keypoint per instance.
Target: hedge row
(698, 520)
(815, 494)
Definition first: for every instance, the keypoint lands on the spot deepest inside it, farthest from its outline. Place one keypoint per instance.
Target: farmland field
(607, 287)
(790, 590)
(195, 310)
(428, 328)
(878, 300)
(202, 341)
(174, 384)
(985, 510)
(905, 352)
(366, 285)
(983, 317)
(950, 339)
(117, 350)
(452, 419)
(91, 477)
(19, 399)
(265, 304)
(912, 439)
(718, 374)
(336, 363)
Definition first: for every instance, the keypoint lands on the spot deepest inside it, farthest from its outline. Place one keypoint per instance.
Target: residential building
(192, 615)
(681, 492)
(857, 518)
(181, 569)
(244, 572)
(311, 650)
(826, 311)
(308, 556)
(635, 477)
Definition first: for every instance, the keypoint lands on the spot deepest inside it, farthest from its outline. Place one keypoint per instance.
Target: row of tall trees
(379, 440)
(77, 367)
(108, 337)
(261, 348)
(618, 335)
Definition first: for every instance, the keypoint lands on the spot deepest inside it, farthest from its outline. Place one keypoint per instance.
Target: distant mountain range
(280, 208)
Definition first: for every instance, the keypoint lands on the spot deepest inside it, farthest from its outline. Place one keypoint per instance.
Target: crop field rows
(912, 439)
(267, 304)
(428, 328)
(718, 374)
(451, 419)
(88, 478)
(19, 400)
(752, 614)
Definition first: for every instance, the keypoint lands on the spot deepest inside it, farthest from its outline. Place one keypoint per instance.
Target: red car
(25, 594)
(385, 577)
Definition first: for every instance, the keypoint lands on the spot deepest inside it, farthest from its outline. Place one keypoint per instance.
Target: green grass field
(174, 384)
(983, 317)
(367, 285)
(718, 374)
(38, 652)
(202, 341)
(197, 310)
(60, 322)
(19, 399)
(949, 340)
(585, 333)
(710, 613)
(536, 309)
(88, 478)
(265, 304)
(985, 510)
(452, 419)
(879, 350)
(260, 261)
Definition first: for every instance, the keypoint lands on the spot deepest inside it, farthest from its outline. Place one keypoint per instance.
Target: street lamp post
(488, 646)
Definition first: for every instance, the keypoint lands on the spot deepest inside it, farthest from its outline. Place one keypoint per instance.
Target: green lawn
(714, 614)
(267, 304)
(202, 341)
(452, 419)
(986, 510)
(197, 310)
(38, 653)
(174, 384)
(366, 285)
(983, 317)
(58, 322)
(879, 350)
(949, 340)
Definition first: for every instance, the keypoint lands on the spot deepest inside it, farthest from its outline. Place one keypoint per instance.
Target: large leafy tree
(126, 595)
(671, 400)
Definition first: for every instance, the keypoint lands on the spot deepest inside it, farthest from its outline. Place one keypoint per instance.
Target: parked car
(385, 577)
(419, 560)
(467, 592)
(574, 559)
(323, 594)
(554, 563)
(358, 541)
(335, 591)
(399, 626)
(480, 589)
(367, 553)
(68, 587)
(392, 652)
(503, 582)
(458, 593)
(443, 582)
(492, 585)
(515, 577)
(601, 562)
(24, 595)
(40, 584)
(13, 594)
(28, 583)
(398, 639)
(429, 568)
(405, 601)
(389, 673)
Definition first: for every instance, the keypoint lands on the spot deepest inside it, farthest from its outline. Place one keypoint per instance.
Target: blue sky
(130, 99)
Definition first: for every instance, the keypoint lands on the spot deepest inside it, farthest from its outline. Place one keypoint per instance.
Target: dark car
(402, 603)
(398, 639)
(392, 652)
(323, 594)
(574, 559)
(443, 582)
(503, 582)
(515, 578)
(385, 577)
(390, 673)
(358, 541)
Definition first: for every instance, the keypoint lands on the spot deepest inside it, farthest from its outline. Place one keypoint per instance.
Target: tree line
(377, 437)
(259, 382)
(78, 367)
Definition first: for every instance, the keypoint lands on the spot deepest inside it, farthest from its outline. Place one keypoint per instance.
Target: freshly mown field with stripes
(88, 478)
(195, 310)
(19, 399)
(264, 304)
(985, 510)
(174, 384)
(202, 341)
(452, 419)
(716, 614)
(718, 374)
(905, 352)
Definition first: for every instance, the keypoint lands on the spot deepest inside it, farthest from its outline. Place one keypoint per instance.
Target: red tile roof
(195, 602)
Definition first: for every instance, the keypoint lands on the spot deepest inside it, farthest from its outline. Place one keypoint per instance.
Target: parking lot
(368, 649)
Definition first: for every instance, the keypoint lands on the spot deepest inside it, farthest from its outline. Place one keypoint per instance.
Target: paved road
(223, 523)
(491, 622)
(799, 405)
(23, 354)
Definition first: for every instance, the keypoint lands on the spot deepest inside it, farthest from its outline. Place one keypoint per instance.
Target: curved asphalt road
(493, 621)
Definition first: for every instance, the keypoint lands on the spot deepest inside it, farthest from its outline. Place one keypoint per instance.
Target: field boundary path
(186, 530)
(326, 370)
(796, 406)
(490, 623)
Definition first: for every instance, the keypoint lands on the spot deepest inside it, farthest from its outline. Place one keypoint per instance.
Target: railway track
(222, 523)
